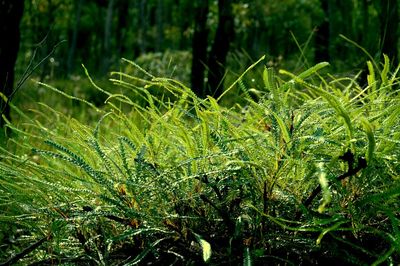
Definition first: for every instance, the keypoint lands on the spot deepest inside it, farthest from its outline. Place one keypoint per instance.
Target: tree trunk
(341, 21)
(322, 37)
(46, 26)
(10, 17)
(199, 47)
(219, 51)
(184, 23)
(160, 25)
(123, 15)
(72, 48)
(389, 29)
(142, 25)
(107, 36)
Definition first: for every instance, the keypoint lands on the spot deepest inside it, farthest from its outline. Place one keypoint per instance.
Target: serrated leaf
(269, 79)
(371, 77)
(283, 128)
(385, 70)
(371, 138)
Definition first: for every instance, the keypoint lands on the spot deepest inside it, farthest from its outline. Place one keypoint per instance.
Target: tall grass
(306, 173)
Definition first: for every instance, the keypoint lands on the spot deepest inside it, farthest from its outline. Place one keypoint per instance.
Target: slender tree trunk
(10, 17)
(107, 36)
(346, 26)
(72, 48)
(46, 26)
(142, 25)
(322, 37)
(199, 47)
(364, 40)
(389, 29)
(184, 23)
(365, 24)
(219, 51)
(123, 15)
(341, 21)
(160, 25)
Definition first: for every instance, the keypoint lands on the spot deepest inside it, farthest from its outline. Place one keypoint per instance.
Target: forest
(292, 34)
(203, 132)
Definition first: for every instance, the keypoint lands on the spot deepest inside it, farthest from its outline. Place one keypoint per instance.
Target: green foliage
(177, 179)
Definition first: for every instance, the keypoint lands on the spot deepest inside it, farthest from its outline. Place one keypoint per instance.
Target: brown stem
(224, 215)
(348, 156)
(25, 252)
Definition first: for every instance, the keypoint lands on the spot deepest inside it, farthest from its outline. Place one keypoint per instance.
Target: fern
(154, 168)
(124, 157)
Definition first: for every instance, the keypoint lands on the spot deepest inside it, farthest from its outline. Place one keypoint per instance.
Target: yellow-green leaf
(205, 246)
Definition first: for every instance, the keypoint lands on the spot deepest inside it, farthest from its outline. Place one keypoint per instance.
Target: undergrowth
(305, 172)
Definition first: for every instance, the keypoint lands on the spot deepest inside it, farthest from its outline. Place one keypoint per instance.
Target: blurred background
(98, 33)
(202, 43)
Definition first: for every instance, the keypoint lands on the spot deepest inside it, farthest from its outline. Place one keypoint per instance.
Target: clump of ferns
(235, 178)
(118, 194)
(362, 142)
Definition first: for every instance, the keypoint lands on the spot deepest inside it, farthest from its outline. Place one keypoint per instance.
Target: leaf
(371, 138)
(70, 96)
(329, 229)
(269, 79)
(206, 249)
(327, 197)
(247, 257)
(270, 84)
(144, 253)
(335, 103)
(371, 77)
(97, 128)
(381, 196)
(312, 70)
(205, 246)
(283, 128)
(241, 77)
(385, 70)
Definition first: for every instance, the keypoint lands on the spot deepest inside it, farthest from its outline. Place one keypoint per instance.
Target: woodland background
(294, 34)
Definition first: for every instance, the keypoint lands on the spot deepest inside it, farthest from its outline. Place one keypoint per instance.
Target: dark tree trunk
(368, 41)
(142, 25)
(199, 47)
(72, 47)
(123, 15)
(219, 51)
(160, 25)
(107, 37)
(184, 23)
(322, 37)
(389, 29)
(341, 21)
(10, 17)
(362, 37)
(45, 25)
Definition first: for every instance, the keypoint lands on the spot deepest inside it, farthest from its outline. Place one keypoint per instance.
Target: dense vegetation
(304, 171)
